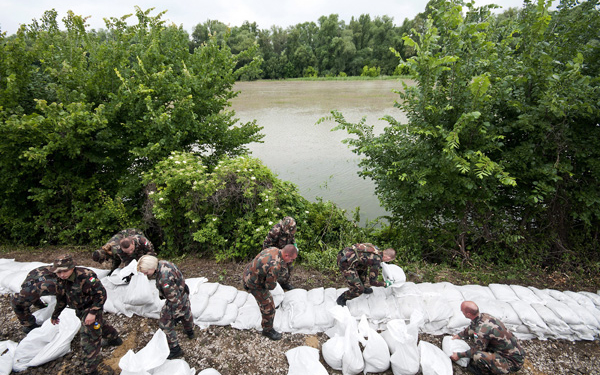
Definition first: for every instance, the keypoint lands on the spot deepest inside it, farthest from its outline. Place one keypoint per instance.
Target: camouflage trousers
(266, 305)
(91, 339)
(355, 278)
(493, 363)
(21, 304)
(171, 314)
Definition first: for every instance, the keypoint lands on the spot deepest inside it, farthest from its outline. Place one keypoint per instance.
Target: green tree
(82, 115)
(498, 158)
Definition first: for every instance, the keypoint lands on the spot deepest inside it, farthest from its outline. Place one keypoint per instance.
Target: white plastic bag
(174, 367)
(153, 355)
(304, 360)
(352, 360)
(139, 291)
(450, 346)
(393, 273)
(376, 352)
(333, 351)
(7, 352)
(433, 360)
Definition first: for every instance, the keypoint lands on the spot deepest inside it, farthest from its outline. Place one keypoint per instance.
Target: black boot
(272, 334)
(176, 352)
(341, 300)
(474, 369)
(368, 290)
(27, 329)
(111, 342)
(190, 334)
(287, 286)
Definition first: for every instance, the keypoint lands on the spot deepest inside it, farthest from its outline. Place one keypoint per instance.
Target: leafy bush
(373, 71)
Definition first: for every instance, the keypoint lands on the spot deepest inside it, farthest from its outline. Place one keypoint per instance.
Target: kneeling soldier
(39, 282)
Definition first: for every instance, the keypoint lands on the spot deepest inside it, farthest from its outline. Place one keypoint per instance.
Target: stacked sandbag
(437, 306)
(304, 360)
(402, 339)
(342, 351)
(376, 353)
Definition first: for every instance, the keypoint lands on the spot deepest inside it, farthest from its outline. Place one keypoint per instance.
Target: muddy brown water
(309, 155)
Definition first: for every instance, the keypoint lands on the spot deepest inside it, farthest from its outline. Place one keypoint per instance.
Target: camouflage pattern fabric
(279, 236)
(112, 249)
(40, 281)
(356, 264)
(496, 349)
(83, 292)
(171, 287)
(259, 277)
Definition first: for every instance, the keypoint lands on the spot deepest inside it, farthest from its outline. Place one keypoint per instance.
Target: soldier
(496, 350)
(261, 275)
(358, 261)
(123, 247)
(280, 235)
(39, 282)
(171, 287)
(80, 289)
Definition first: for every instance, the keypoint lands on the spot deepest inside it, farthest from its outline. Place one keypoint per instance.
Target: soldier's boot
(474, 369)
(190, 334)
(40, 304)
(176, 352)
(368, 290)
(27, 329)
(341, 300)
(272, 334)
(287, 286)
(111, 342)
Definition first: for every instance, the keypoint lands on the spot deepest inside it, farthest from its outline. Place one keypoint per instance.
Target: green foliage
(499, 157)
(373, 71)
(83, 114)
(310, 72)
(227, 210)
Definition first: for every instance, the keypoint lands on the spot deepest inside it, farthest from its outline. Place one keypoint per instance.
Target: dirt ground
(231, 351)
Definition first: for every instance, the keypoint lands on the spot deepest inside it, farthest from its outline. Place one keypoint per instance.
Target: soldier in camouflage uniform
(358, 261)
(280, 235)
(80, 289)
(496, 350)
(171, 287)
(123, 247)
(260, 276)
(39, 282)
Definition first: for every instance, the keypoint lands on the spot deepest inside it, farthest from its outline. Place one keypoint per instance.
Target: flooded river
(312, 156)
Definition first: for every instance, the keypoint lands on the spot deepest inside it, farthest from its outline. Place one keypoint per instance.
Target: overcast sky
(233, 12)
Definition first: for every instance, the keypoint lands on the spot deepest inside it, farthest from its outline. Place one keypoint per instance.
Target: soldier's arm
(149, 247)
(374, 274)
(61, 303)
(271, 238)
(96, 290)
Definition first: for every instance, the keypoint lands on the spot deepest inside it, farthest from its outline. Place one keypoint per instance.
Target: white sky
(265, 13)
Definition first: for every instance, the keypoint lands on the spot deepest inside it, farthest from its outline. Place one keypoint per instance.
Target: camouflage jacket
(81, 291)
(278, 238)
(170, 282)
(263, 271)
(121, 259)
(363, 257)
(491, 335)
(40, 281)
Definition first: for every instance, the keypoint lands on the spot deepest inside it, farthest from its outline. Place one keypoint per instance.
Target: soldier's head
(288, 224)
(388, 255)
(63, 266)
(127, 245)
(147, 264)
(289, 253)
(469, 309)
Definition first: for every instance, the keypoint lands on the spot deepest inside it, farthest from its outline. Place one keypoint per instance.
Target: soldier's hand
(455, 337)
(97, 256)
(55, 321)
(454, 357)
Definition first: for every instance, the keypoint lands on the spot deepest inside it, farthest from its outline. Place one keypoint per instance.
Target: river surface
(309, 155)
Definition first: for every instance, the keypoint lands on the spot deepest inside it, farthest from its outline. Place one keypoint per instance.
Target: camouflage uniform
(279, 236)
(496, 349)
(112, 249)
(83, 292)
(355, 263)
(171, 287)
(39, 282)
(260, 276)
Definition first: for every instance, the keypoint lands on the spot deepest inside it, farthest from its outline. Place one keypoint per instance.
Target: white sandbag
(564, 312)
(194, 283)
(48, 342)
(12, 280)
(198, 302)
(240, 298)
(580, 299)
(407, 304)
(450, 345)
(207, 288)
(7, 353)
(433, 360)
(526, 295)
(209, 371)
(503, 292)
(592, 296)
(140, 291)
(405, 360)
(377, 302)
(231, 313)
(249, 316)
(281, 322)
(531, 319)
(304, 360)
(333, 352)
(294, 296)
(559, 296)
(458, 321)
(393, 311)
(542, 294)
(359, 306)
(226, 293)
(352, 360)
(436, 309)
(174, 367)
(376, 353)
(406, 289)
(316, 296)
(559, 328)
(393, 273)
(100, 272)
(44, 314)
(214, 311)
(476, 293)
(151, 356)
(323, 318)
(450, 292)
(398, 334)
(503, 311)
(278, 294)
(430, 289)
(588, 319)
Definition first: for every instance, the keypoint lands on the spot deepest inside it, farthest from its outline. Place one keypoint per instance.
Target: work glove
(97, 256)
(388, 283)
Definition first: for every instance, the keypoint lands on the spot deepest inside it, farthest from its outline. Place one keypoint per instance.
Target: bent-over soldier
(171, 287)
(260, 276)
(124, 247)
(80, 289)
(496, 349)
(359, 262)
(283, 233)
(40, 281)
